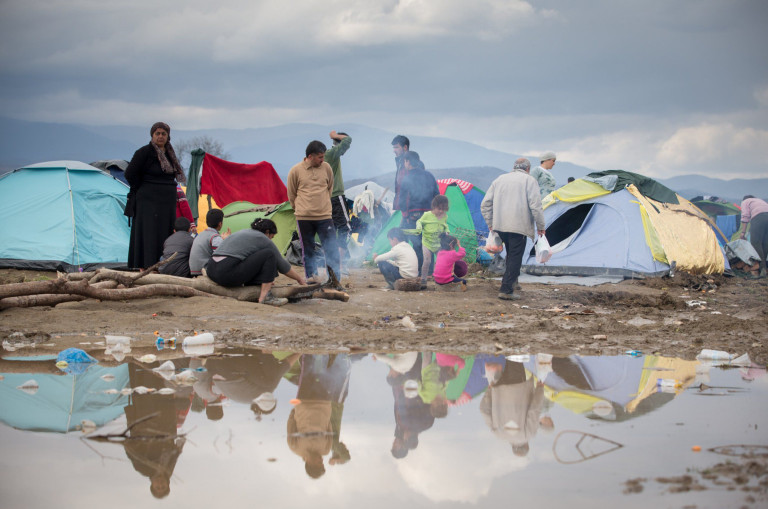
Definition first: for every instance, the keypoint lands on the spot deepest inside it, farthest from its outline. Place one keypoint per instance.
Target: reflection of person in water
(153, 445)
(206, 396)
(314, 425)
(512, 404)
(412, 415)
(250, 377)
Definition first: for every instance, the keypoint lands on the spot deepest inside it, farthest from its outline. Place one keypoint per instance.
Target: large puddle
(281, 429)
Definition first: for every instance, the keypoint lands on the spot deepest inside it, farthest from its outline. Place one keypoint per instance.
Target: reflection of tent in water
(614, 388)
(62, 402)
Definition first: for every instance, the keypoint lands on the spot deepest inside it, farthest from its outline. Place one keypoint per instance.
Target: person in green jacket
(339, 209)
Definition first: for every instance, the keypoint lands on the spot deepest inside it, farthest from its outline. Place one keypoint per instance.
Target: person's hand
(301, 280)
(743, 236)
(334, 135)
(374, 257)
(226, 233)
(542, 232)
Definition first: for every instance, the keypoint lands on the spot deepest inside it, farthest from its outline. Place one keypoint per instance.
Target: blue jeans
(390, 272)
(327, 232)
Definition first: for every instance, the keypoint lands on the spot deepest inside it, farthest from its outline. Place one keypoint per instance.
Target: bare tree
(184, 148)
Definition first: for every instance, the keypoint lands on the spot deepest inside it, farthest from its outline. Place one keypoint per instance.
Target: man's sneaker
(508, 296)
(315, 280)
(271, 300)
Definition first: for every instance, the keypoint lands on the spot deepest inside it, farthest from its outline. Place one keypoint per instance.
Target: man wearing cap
(511, 206)
(543, 173)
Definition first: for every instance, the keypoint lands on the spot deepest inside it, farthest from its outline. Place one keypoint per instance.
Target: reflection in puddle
(418, 427)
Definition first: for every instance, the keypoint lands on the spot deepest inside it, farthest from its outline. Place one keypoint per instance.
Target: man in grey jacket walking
(510, 208)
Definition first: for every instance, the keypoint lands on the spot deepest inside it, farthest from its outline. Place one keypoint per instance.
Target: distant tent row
(67, 215)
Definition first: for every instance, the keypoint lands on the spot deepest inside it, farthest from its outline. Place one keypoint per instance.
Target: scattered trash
(186, 377)
(74, 361)
(696, 448)
(719, 358)
(695, 303)
(166, 390)
(166, 369)
(408, 323)
(140, 389)
(600, 337)
(30, 387)
(125, 391)
(162, 343)
(117, 340)
(199, 350)
(111, 391)
(385, 319)
(634, 353)
(667, 385)
(200, 339)
(441, 325)
(108, 377)
(148, 359)
(519, 358)
(295, 401)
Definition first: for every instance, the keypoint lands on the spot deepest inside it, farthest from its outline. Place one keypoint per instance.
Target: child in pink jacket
(449, 266)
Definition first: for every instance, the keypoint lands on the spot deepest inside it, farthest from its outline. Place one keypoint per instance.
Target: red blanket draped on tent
(228, 182)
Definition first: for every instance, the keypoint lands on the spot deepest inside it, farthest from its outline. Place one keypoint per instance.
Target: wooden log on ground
(412, 284)
(330, 294)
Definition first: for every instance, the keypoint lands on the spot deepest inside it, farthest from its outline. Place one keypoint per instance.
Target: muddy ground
(651, 316)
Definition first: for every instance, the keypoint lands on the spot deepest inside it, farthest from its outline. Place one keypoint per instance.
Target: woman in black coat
(152, 174)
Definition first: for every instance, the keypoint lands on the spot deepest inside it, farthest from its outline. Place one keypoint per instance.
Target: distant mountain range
(369, 158)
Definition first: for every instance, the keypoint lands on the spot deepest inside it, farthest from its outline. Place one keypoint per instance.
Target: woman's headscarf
(168, 160)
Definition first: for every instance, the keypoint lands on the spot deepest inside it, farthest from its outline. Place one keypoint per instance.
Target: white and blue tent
(62, 215)
(618, 223)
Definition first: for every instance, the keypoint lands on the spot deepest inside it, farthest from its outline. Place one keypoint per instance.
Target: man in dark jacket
(418, 188)
(180, 242)
(400, 146)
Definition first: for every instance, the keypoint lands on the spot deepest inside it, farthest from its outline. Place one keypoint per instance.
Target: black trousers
(258, 268)
(515, 244)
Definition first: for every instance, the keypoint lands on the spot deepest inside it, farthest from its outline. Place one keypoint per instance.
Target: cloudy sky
(656, 86)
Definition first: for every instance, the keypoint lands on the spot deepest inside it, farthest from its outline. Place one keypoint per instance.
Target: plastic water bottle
(206, 338)
(714, 355)
(165, 343)
(634, 353)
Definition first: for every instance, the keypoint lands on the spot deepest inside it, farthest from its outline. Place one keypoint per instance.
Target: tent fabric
(624, 233)
(463, 185)
(64, 215)
(193, 182)
(239, 216)
(646, 185)
(61, 403)
(685, 234)
(229, 182)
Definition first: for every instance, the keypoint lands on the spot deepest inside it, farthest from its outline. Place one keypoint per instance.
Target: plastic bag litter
(408, 323)
(543, 251)
(186, 377)
(77, 361)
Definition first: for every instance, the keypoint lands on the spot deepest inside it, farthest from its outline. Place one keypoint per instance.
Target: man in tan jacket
(309, 190)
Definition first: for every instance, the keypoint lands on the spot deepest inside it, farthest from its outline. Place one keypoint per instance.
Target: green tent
(240, 214)
(460, 224)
